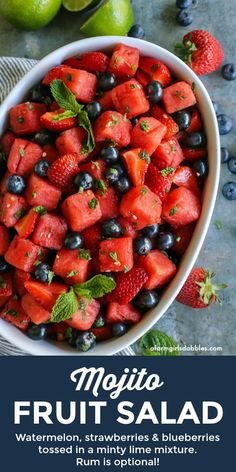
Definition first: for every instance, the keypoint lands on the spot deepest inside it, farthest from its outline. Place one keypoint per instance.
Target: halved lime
(29, 15)
(113, 17)
(79, 5)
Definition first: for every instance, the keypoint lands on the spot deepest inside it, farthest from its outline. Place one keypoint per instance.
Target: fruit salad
(100, 189)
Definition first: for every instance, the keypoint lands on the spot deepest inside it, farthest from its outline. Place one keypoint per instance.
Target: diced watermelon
(95, 61)
(141, 207)
(50, 231)
(81, 83)
(7, 141)
(25, 118)
(108, 202)
(23, 157)
(116, 255)
(81, 210)
(102, 333)
(96, 168)
(5, 288)
(136, 162)
(46, 295)
(160, 269)
(106, 101)
(183, 237)
(72, 266)
(181, 207)
(26, 225)
(156, 70)
(41, 192)
(178, 96)
(168, 154)
(14, 313)
(84, 318)
(34, 310)
(50, 153)
(92, 237)
(127, 227)
(20, 278)
(13, 208)
(142, 78)
(113, 126)
(23, 254)
(124, 61)
(122, 314)
(3, 185)
(4, 240)
(148, 134)
(186, 177)
(71, 141)
(129, 99)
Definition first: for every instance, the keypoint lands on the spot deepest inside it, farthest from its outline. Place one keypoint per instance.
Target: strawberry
(198, 290)
(51, 121)
(26, 225)
(156, 70)
(165, 119)
(201, 51)
(159, 181)
(194, 154)
(128, 285)
(95, 61)
(62, 171)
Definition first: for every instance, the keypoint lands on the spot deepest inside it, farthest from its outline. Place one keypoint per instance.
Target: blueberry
(37, 332)
(111, 229)
(119, 168)
(41, 94)
(225, 124)
(106, 82)
(111, 175)
(184, 17)
(224, 155)
(142, 246)
(118, 330)
(16, 184)
(84, 181)
(150, 231)
(228, 71)
(134, 121)
(43, 137)
(4, 266)
(183, 4)
(145, 300)
(136, 31)
(42, 273)
(94, 110)
(99, 322)
(215, 106)
(74, 241)
(232, 165)
(229, 190)
(154, 91)
(201, 168)
(122, 185)
(3, 163)
(165, 241)
(195, 140)
(85, 341)
(183, 119)
(109, 154)
(41, 168)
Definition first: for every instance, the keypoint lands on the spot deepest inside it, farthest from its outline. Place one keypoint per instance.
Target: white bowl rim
(113, 346)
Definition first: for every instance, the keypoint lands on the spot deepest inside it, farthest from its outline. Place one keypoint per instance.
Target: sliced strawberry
(128, 285)
(183, 237)
(165, 119)
(117, 313)
(136, 162)
(186, 177)
(156, 70)
(159, 181)
(194, 154)
(20, 278)
(4, 240)
(25, 226)
(14, 313)
(46, 295)
(63, 170)
(196, 122)
(95, 61)
(13, 208)
(51, 120)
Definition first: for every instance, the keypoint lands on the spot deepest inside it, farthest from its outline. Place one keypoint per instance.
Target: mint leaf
(65, 306)
(41, 210)
(64, 97)
(64, 115)
(85, 122)
(96, 287)
(50, 276)
(157, 343)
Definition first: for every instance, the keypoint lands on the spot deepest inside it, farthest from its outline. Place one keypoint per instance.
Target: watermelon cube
(102, 333)
(160, 269)
(71, 141)
(155, 70)
(41, 192)
(122, 314)
(72, 265)
(23, 254)
(13, 208)
(141, 207)
(124, 61)
(168, 154)
(7, 141)
(20, 277)
(80, 82)
(3, 186)
(116, 255)
(34, 310)
(112, 126)
(14, 313)
(127, 228)
(147, 134)
(181, 207)
(23, 157)
(81, 210)
(108, 202)
(106, 101)
(92, 237)
(136, 162)
(25, 118)
(50, 231)
(50, 153)
(46, 295)
(178, 96)
(4, 240)
(85, 316)
(96, 168)
(5, 288)
(129, 99)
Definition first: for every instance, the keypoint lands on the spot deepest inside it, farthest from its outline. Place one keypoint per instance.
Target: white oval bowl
(182, 72)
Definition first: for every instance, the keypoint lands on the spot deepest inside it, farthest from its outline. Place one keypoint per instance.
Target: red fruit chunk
(23, 157)
(136, 162)
(72, 266)
(7, 141)
(62, 172)
(50, 153)
(160, 269)
(25, 118)
(4, 240)
(116, 255)
(14, 313)
(96, 168)
(142, 78)
(72, 142)
(23, 254)
(34, 310)
(40, 192)
(168, 154)
(58, 331)
(156, 70)
(3, 186)
(84, 318)
(108, 202)
(127, 227)
(102, 333)
(183, 237)
(204, 52)
(147, 134)
(159, 181)
(165, 119)
(111, 125)
(50, 121)
(181, 207)
(26, 225)
(178, 96)
(81, 210)
(186, 177)
(194, 154)
(122, 314)
(141, 207)
(20, 278)
(128, 285)
(129, 99)
(92, 237)
(81, 83)
(46, 295)
(50, 231)
(5, 288)
(124, 62)
(106, 101)
(13, 208)
(94, 61)
(196, 122)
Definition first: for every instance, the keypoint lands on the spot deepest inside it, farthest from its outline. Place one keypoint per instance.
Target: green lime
(30, 14)
(112, 18)
(79, 5)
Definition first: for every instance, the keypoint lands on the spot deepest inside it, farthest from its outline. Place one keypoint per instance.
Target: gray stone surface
(216, 325)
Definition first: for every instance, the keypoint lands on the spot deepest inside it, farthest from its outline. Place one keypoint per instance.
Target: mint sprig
(85, 122)
(65, 306)
(157, 343)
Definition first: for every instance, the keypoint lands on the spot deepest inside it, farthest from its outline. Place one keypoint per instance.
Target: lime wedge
(79, 5)
(112, 18)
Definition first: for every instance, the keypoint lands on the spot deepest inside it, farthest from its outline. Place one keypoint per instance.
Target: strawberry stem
(208, 290)
(185, 51)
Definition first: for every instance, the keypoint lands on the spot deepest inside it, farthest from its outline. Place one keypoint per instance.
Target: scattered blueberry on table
(228, 71)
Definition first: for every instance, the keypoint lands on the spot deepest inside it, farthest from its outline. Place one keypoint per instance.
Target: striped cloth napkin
(12, 69)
